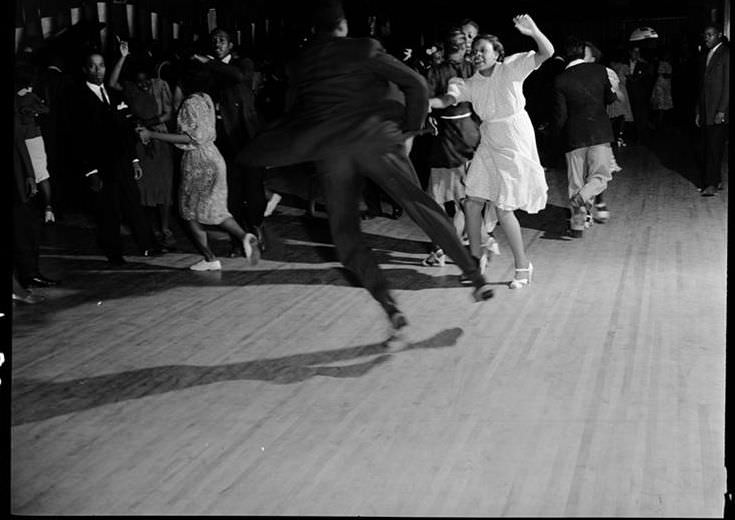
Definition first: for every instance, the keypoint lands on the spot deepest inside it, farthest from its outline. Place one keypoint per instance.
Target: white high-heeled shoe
(518, 283)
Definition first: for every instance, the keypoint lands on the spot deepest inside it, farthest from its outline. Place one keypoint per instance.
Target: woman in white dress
(506, 169)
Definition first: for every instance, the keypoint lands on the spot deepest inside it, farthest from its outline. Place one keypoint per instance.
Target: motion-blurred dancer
(339, 117)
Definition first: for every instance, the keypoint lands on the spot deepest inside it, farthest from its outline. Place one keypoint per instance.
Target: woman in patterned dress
(506, 169)
(203, 190)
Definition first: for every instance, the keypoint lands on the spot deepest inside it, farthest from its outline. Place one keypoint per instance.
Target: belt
(461, 116)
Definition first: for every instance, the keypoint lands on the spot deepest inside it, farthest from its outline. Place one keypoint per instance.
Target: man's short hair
(573, 48)
(219, 30)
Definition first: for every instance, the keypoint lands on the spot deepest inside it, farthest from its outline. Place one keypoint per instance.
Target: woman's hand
(143, 134)
(124, 49)
(525, 25)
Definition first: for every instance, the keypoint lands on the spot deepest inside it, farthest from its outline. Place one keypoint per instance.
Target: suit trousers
(245, 191)
(119, 198)
(26, 229)
(588, 170)
(393, 172)
(714, 150)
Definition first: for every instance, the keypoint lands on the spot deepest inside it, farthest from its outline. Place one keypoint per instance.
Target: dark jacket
(233, 93)
(104, 139)
(714, 92)
(339, 95)
(581, 94)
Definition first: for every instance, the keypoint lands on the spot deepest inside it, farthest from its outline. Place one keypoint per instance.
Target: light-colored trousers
(588, 170)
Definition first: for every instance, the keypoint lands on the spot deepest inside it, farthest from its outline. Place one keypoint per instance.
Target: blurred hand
(31, 188)
(525, 25)
(719, 118)
(697, 122)
(95, 182)
(200, 58)
(409, 145)
(137, 171)
(124, 49)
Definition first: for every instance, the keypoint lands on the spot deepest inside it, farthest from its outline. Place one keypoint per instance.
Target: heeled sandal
(522, 282)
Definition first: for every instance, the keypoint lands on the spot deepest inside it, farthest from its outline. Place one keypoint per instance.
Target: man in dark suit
(237, 123)
(56, 87)
(580, 95)
(105, 148)
(713, 107)
(640, 84)
(341, 117)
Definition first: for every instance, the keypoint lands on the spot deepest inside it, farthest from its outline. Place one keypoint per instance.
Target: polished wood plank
(265, 390)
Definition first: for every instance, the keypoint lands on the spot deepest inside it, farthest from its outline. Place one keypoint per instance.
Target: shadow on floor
(35, 400)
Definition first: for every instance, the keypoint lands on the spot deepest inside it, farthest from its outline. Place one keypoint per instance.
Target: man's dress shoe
(42, 281)
(155, 251)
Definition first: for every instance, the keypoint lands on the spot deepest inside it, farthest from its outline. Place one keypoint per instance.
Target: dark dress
(155, 157)
(458, 131)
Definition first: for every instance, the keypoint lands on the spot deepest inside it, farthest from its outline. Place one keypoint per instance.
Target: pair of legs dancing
(210, 262)
(589, 170)
(390, 168)
(473, 207)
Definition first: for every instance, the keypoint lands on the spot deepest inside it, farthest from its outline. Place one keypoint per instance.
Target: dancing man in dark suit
(342, 119)
(713, 107)
(237, 123)
(580, 95)
(105, 147)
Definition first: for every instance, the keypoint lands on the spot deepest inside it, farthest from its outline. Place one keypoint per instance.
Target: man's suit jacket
(338, 101)
(714, 93)
(104, 139)
(581, 94)
(233, 91)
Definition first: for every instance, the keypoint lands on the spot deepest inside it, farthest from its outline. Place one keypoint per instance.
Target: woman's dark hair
(141, 66)
(573, 48)
(449, 40)
(468, 21)
(494, 41)
(196, 77)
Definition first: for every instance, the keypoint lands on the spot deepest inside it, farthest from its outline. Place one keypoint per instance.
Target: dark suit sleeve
(558, 108)
(237, 71)
(411, 83)
(724, 102)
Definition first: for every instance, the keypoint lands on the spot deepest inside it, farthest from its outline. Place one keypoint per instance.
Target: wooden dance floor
(596, 391)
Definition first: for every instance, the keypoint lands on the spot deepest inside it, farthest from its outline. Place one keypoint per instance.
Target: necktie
(104, 96)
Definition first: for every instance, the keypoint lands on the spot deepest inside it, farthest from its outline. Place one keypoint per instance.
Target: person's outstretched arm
(527, 26)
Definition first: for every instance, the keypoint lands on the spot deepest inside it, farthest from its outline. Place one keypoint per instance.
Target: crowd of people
(445, 135)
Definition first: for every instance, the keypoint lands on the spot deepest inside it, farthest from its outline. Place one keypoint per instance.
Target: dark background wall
(270, 26)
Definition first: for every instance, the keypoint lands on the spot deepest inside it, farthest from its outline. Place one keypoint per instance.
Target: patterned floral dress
(203, 190)
(506, 169)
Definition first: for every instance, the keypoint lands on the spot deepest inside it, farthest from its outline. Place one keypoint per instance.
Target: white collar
(574, 62)
(713, 49)
(95, 87)
(226, 59)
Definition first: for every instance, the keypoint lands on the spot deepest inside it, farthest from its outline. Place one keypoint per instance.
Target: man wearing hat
(341, 118)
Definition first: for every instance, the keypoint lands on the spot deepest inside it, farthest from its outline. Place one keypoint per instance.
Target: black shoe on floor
(42, 281)
(155, 251)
